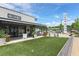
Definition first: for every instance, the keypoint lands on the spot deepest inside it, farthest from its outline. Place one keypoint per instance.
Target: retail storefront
(16, 23)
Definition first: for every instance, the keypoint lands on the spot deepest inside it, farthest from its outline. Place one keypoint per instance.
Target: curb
(65, 48)
(65, 51)
(17, 41)
(62, 48)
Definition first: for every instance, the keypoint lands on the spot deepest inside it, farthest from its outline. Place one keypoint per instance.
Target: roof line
(16, 11)
(24, 22)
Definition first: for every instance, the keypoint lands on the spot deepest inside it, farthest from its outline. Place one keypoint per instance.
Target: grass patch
(45, 46)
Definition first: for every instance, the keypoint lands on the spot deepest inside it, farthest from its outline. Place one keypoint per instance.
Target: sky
(50, 14)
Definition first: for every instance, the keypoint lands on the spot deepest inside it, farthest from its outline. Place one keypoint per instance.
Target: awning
(21, 22)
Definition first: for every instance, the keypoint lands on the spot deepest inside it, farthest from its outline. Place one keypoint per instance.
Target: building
(16, 23)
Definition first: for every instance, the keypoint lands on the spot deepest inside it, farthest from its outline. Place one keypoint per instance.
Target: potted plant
(45, 34)
(7, 38)
(2, 37)
(33, 32)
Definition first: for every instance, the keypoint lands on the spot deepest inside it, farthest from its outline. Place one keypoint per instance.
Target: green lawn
(46, 46)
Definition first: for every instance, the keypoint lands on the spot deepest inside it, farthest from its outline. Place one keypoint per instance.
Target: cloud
(21, 7)
(7, 5)
(65, 14)
(56, 16)
(48, 24)
(57, 8)
(18, 6)
(70, 22)
(54, 23)
(25, 8)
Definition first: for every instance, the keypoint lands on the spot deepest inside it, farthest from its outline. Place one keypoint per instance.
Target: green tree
(75, 25)
(61, 27)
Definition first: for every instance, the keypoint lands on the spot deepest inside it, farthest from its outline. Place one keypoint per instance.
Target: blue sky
(47, 13)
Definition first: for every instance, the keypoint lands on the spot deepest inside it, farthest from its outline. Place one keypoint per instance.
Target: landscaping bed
(45, 46)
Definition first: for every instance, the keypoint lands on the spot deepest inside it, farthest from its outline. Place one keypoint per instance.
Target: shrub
(45, 33)
(2, 33)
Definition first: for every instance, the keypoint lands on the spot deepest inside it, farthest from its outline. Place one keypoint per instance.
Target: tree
(61, 27)
(75, 25)
(69, 28)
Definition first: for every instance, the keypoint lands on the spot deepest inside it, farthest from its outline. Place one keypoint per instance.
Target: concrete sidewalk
(59, 35)
(71, 48)
(20, 40)
(75, 47)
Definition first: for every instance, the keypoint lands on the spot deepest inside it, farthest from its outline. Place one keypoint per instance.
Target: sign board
(24, 36)
(2, 41)
(13, 17)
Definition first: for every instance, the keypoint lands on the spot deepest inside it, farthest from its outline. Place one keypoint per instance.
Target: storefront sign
(13, 17)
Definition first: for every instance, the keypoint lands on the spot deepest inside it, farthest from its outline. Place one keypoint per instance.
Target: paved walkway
(75, 47)
(20, 40)
(63, 35)
(71, 48)
(60, 34)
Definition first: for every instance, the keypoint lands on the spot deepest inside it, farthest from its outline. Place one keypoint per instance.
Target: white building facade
(16, 23)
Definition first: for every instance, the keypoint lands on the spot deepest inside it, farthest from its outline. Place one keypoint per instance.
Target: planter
(45, 34)
(2, 41)
(8, 38)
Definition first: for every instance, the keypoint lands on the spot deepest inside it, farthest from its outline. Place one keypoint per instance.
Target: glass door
(13, 31)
